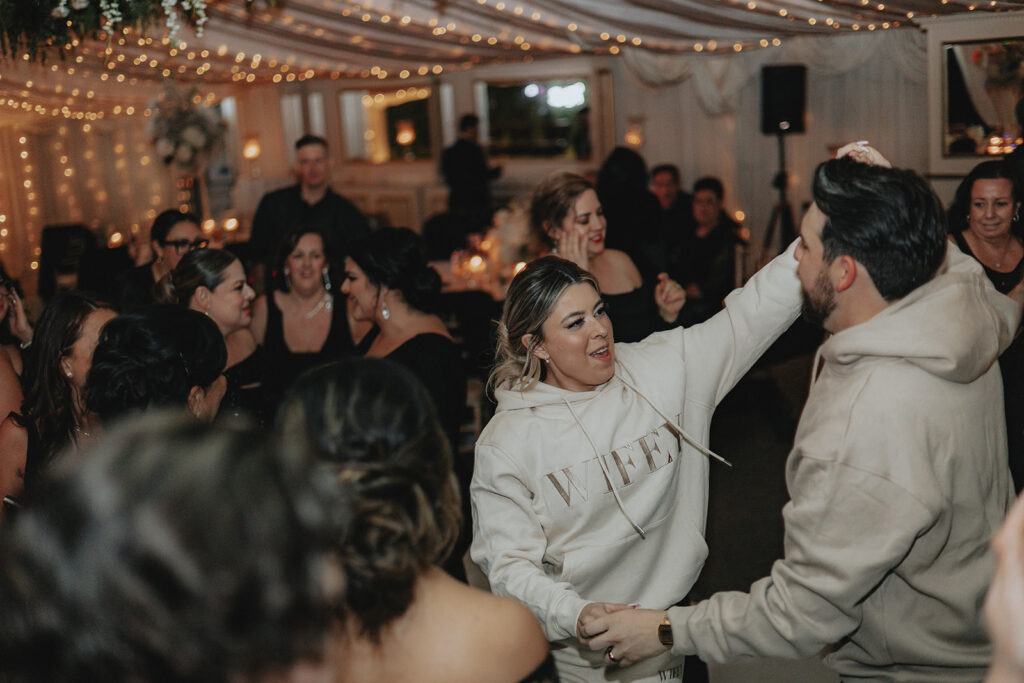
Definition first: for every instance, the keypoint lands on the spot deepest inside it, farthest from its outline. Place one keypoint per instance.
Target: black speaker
(783, 98)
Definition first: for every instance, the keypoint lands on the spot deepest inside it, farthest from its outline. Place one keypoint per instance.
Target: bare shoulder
(508, 643)
(616, 272)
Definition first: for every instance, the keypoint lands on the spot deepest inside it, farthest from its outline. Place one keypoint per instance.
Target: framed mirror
(984, 81)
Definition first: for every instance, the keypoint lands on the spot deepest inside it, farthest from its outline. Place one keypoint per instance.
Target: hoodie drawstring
(675, 429)
(604, 469)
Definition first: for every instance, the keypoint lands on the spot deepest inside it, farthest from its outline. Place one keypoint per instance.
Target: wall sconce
(635, 131)
(251, 148)
(406, 134)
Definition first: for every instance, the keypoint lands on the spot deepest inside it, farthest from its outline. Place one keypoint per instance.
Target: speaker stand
(782, 212)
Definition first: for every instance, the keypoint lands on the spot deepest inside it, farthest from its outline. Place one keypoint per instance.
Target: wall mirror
(984, 81)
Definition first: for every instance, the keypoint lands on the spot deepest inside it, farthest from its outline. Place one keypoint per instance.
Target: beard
(820, 301)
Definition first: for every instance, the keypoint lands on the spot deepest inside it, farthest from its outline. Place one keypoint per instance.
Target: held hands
(670, 298)
(585, 630)
(864, 153)
(627, 636)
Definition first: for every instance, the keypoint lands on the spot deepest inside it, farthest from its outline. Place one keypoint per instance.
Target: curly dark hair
(174, 551)
(376, 425)
(153, 357)
(395, 258)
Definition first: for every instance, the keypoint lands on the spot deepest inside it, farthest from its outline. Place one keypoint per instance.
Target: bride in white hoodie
(591, 481)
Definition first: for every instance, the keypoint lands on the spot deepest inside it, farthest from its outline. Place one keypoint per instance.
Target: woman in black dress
(213, 282)
(390, 285)
(299, 324)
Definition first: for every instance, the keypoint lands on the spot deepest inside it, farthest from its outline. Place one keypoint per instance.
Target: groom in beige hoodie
(898, 475)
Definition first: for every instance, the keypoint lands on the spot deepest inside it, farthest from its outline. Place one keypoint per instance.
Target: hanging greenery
(32, 26)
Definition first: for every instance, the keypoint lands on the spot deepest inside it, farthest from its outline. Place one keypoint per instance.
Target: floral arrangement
(180, 128)
(32, 26)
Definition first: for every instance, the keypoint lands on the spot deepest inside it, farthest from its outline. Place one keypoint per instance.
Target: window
(387, 125)
(539, 119)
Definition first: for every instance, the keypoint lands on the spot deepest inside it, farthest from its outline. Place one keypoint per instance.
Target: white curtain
(704, 116)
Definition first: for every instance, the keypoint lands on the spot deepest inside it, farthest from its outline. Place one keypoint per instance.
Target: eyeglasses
(183, 245)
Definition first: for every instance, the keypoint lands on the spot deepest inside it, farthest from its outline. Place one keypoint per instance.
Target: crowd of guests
(326, 524)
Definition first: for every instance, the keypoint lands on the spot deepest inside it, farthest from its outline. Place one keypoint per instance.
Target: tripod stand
(782, 212)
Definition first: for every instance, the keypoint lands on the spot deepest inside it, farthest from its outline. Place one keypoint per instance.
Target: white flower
(79, 4)
(184, 154)
(193, 136)
(164, 147)
(60, 11)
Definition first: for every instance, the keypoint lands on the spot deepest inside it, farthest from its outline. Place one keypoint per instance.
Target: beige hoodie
(898, 477)
(596, 495)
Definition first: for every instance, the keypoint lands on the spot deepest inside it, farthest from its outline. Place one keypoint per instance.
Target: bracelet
(25, 345)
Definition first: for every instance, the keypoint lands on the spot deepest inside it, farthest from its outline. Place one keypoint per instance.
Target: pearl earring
(68, 373)
(384, 312)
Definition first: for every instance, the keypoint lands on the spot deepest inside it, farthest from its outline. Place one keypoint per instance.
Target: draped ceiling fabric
(706, 52)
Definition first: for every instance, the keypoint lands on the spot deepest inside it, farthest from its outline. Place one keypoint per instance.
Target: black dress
(437, 362)
(281, 365)
(634, 314)
(1011, 367)
(244, 393)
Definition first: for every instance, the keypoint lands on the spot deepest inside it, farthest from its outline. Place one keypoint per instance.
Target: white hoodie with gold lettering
(601, 496)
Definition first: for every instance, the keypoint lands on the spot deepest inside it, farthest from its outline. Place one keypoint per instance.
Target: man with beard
(898, 474)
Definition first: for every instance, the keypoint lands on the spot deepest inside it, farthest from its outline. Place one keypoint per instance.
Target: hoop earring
(384, 312)
(327, 279)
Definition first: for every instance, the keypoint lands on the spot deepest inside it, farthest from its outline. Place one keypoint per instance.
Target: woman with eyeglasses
(172, 235)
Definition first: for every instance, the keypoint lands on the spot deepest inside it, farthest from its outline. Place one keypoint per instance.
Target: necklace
(326, 303)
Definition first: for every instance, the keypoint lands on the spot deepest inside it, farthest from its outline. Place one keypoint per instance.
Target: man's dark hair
(308, 139)
(888, 219)
(710, 183)
(671, 169)
(468, 121)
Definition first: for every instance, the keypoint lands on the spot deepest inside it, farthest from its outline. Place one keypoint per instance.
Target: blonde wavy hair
(531, 296)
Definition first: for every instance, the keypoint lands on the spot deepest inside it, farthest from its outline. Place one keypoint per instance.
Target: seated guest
(632, 212)
(391, 286)
(375, 424)
(297, 323)
(172, 235)
(985, 223)
(567, 216)
(212, 281)
(157, 356)
(173, 552)
(707, 267)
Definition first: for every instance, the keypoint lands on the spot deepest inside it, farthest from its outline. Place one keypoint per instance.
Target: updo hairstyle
(554, 199)
(376, 426)
(395, 258)
(171, 551)
(152, 358)
(531, 296)
(197, 268)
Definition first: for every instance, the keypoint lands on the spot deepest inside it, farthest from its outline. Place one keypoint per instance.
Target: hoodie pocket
(656, 571)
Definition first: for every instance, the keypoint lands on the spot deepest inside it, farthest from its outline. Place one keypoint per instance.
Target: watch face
(665, 633)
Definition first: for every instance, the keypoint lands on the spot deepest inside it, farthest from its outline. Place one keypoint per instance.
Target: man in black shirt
(310, 203)
(467, 173)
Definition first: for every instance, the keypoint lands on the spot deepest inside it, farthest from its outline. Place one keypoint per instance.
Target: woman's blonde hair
(553, 199)
(531, 296)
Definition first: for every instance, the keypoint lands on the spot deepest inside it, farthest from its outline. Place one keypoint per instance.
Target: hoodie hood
(954, 326)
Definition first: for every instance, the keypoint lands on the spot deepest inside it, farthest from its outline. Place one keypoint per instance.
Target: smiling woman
(597, 446)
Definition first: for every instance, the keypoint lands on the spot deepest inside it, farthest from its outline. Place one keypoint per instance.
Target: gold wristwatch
(665, 631)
